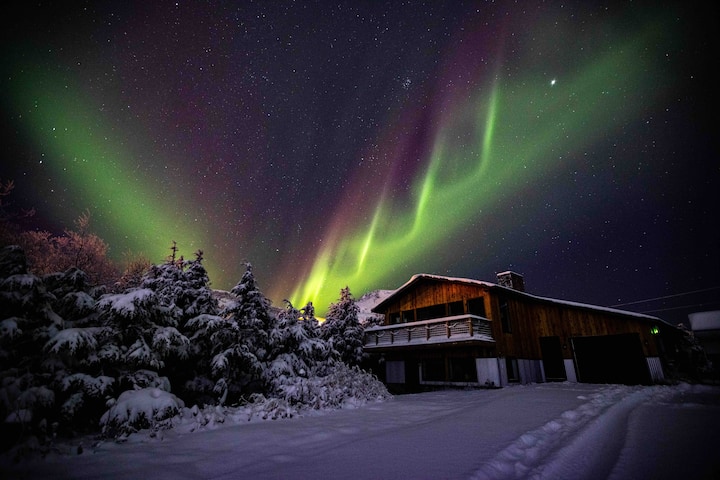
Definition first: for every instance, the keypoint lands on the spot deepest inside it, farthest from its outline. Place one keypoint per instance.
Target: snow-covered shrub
(304, 373)
(269, 408)
(337, 386)
(140, 409)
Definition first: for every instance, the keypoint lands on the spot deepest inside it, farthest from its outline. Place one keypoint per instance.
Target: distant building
(706, 329)
(457, 331)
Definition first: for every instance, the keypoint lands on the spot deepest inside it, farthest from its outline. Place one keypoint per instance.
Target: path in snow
(536, 431)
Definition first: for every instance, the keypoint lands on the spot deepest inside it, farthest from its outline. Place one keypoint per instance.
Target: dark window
(434, 311)
(394, 318)
(408, 316)
(433, 370)
(505, 316)
(476, 306)
(512, 369)
(455, 308)
(463, 370)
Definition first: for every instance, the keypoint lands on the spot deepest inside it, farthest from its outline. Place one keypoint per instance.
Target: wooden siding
(529, 318)
(434, 292)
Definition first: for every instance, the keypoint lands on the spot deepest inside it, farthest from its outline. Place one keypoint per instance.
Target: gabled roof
(494, 286)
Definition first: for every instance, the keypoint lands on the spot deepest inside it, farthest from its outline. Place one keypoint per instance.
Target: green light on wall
(654, 330)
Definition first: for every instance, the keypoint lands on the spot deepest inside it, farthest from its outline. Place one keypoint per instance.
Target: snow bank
(545, 453)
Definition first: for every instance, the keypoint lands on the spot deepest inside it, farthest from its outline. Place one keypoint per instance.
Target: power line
(666, 296)
(681, 307)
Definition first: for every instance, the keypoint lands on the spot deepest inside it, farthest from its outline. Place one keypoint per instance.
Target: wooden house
(457, 331)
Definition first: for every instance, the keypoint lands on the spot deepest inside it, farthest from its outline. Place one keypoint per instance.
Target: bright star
(552, 82)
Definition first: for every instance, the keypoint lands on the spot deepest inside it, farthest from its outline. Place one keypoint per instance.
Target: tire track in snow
(582, 443)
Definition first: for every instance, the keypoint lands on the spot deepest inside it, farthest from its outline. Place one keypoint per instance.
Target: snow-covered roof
(427, 276)
(705, 320)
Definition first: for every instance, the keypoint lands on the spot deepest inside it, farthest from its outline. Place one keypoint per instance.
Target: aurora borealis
(359, 143)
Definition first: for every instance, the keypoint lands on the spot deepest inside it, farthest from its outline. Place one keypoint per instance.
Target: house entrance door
(552, 357)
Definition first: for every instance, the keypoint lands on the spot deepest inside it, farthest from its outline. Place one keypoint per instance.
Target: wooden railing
(437, 330)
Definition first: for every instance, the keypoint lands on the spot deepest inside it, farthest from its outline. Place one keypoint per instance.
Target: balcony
(459, 328)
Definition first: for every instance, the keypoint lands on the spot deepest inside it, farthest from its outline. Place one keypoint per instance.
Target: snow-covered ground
(551, 431)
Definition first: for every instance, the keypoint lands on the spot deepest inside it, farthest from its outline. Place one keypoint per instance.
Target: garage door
(611, 359)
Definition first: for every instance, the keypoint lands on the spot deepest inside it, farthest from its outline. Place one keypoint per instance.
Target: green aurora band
(76, 144)
(520, 135)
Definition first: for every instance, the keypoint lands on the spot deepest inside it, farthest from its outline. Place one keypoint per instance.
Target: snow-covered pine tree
(182, 284)
(196, 297)
(297, 353)
(139, 334)
(27, 322)
(231, 347)
(251, 311)
(165, 280)
(342, 329)
(80, 387)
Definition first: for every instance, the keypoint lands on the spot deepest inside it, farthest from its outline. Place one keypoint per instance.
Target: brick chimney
(511, 280)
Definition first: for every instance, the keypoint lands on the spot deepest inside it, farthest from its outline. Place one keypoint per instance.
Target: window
(408, 316)
(463, 370)
(433, 311)
(455, 308)
(433, 370)
(476, 306)
(394, 318)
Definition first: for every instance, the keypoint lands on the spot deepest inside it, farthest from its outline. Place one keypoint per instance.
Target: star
(552, 82)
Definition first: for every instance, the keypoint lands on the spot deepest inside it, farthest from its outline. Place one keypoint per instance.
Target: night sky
(359, 143)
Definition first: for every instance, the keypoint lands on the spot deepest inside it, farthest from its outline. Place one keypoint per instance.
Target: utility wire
(666, 296)
(681, 307)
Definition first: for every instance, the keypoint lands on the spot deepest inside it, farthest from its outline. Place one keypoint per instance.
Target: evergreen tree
(80, 387)
(251, 311)
(231, 347)
(297, 352)
(342, 329)
(139, 335)
(27, 322)
(183, 285)
(197, 297)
